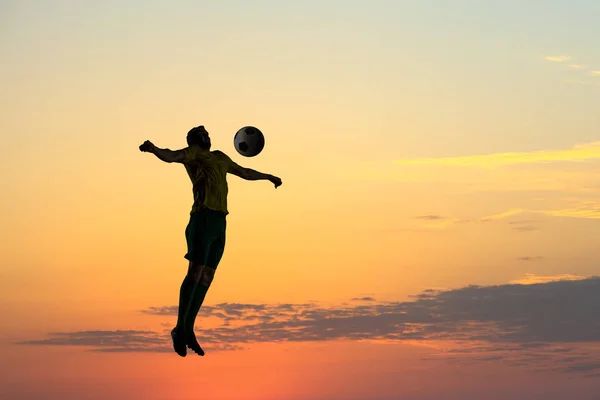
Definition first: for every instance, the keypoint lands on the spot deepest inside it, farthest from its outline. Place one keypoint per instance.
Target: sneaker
(193, 344)
(178, 342)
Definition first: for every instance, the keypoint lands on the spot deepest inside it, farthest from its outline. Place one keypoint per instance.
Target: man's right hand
(147, 147)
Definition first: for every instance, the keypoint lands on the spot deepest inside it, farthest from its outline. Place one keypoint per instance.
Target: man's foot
(193, 344)
(178, 342)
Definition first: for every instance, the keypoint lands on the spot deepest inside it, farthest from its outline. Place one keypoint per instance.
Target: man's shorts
(205, 236)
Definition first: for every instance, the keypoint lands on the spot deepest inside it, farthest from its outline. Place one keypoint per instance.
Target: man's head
(199, 136)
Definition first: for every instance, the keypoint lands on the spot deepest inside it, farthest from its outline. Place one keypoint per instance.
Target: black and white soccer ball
(249, 141)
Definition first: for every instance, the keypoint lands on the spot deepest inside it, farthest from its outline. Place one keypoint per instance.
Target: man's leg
(208, 274)
(186, 296)
(216, 224)
(186, 292)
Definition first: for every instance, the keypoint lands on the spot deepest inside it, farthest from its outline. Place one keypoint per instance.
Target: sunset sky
(435, 237)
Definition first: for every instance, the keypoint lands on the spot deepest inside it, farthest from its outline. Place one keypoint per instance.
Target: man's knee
(195, 271)
(208, 274)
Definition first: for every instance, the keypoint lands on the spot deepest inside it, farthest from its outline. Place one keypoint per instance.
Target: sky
(435, 236)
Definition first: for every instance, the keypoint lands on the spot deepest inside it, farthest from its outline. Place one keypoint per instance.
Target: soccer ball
(249, 141)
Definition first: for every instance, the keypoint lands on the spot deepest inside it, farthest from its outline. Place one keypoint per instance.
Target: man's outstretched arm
(165, 155)
(252, 175)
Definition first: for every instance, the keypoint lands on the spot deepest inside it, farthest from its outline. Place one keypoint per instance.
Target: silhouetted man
(205, 232)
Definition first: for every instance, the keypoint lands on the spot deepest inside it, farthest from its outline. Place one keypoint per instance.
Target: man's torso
(208, 172)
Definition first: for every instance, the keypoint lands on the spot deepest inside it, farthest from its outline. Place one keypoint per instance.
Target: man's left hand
(275, 181)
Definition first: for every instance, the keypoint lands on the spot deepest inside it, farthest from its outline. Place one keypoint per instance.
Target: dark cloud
(524, 222)
(363, 299)
(121, 338)
(546, 325)
(584, 367)
(524, 225)
(118, 341)
(528, 258)
(164, 310)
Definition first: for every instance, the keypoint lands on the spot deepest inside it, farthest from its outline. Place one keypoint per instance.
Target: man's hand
(147, 147)
(275, 181)
(253, 175)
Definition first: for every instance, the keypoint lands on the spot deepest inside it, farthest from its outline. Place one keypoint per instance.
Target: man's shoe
(178, 342)
(193, 344)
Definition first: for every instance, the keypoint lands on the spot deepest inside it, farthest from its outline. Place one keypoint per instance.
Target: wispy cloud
(577, 67)
(582, 152)
(432, 217)
(502, 215)
(530, 279)
(581, 209)
(438, 221)
(589, 210)
(562, 58)
(541, 325)
(572, 170)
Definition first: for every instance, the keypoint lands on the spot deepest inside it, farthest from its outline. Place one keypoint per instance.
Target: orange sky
(422, 148)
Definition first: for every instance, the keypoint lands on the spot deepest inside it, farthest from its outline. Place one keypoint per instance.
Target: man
(205, 232)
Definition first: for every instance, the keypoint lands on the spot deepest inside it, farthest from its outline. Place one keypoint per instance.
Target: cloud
(572, 170)
(541, 357)
(558, 58)
(543, 325)
(578, 153)
(525, 228)
(437, 221)
(523, 221)
(118, 341)
(363, 299)
(531, 279)
(121, 338)
(577, 67)
(583, 209)
(502, 215)
(431, 217)
(528, 258)
(584, 367)
(577, 208)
